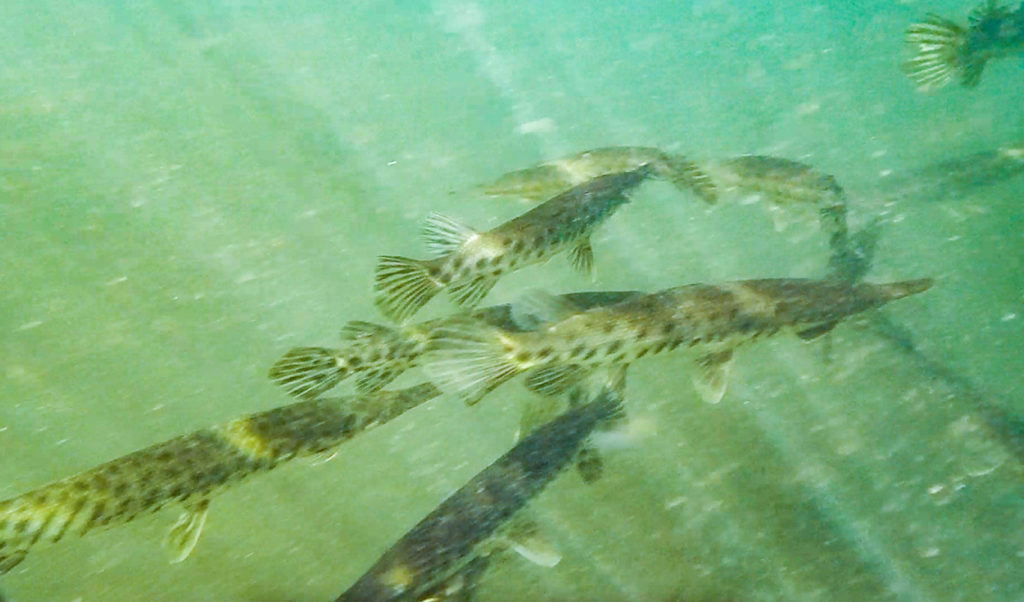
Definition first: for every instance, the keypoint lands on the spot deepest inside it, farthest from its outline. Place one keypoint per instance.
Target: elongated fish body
(945, 52)
(188, 470)
(378, 354)
(957, 176)
(783, 181)
(471, 358)
(470, 262)
(790, 185)
(448, 538)
(548, 179)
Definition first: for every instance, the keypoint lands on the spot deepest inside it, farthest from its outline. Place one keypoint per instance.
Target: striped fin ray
(184, 534)
(306, 372)
(686, 176)
(469, 358)
(938, 44)
(444, 235)
(374, 379)
(403, 286)
(468, 293)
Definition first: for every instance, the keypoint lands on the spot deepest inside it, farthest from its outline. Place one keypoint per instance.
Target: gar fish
(453, 534)
(189, 469)
(469, 263)
(378, 354)
(956, 176)
(944, 51)
(471, 358)
(550, 178)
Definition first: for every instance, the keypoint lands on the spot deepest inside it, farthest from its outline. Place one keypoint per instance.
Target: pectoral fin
(589, 464)
(816, 331)
(184, 535)
(323, 457)
(582, 257)
(524, 538)
(712, 375)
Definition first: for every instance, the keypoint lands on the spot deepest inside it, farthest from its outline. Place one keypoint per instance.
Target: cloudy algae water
(188, 189)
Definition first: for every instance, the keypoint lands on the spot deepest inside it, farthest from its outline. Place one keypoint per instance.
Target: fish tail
(24, 523)
(685, 175)
(939, 55)
(306, 372)
(905, 288)
(403, 286)
(471, 358)
(46, 514)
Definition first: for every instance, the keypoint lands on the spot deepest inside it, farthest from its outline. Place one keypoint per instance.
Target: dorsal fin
(444, 235)
(358, 329)
(539, 307)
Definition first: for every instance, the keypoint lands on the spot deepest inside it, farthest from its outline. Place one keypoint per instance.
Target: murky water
(188, 189)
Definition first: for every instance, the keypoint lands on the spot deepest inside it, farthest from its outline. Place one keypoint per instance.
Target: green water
(188, 189)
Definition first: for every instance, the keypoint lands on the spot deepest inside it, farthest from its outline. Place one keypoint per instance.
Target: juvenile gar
(469, 263)
(471, 358)
(188, 470)
(550, 178)
(789, 187)
(450, 537)
(944, 51)
(378, 354)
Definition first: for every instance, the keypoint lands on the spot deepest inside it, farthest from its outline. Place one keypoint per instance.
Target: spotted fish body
(784, 181)
(790, 185)
(378, 354)
(470, 262)
(188, 470)
(471, 358)
(944, 51)
(448, 540)
(957, 176)
(548, 179)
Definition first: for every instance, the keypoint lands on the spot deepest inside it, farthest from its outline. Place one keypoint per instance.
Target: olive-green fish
(789, 186)
(188, 470)
(378, 354)
(470, 358)
(469, 263)
(450, 538)
(550, 178)
(956, 177)
(945, 52)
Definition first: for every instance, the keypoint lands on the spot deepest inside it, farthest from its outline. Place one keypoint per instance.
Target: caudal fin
(939, 55)
(687, 176)
(403, 286)
(306, 372)
(469, 358)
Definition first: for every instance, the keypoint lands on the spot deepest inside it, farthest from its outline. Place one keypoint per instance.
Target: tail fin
(905, 288)
(687, 176)
(403, 286)
(939, 55)
(470, 358)
(306, 372)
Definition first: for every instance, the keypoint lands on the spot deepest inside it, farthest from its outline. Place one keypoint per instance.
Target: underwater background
(189, 188)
